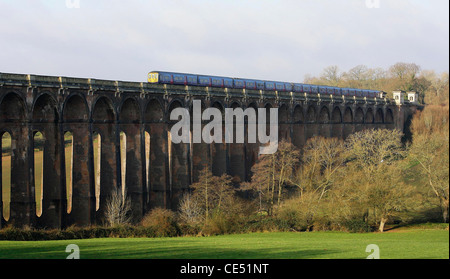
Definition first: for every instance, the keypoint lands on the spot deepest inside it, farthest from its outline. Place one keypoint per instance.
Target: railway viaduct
(129, 122)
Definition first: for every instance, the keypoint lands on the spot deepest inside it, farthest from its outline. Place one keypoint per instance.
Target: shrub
(163, 221)
(357, 226)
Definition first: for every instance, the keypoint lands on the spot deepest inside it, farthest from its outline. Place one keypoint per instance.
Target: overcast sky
(263, 39)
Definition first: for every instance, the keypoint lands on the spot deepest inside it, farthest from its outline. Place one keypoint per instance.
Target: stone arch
(76, 118)
(175, 103)
(131, 156)
(130, 111)
(179, 160)
(323, 120)
(218, 105)
(219, 150)
(236, 166)
(46, 162)
(251, 149)
(298, 128)
(75, 109)
(359, 116)
(336, 116)
(298, 114)
(337, 129)
(12, 108)
(379, 118)
(154, 111)
(348, 115)
(324, 116)
(234, 105)
(268, 106)
(44, 109)
(103, 111)
(283, 113)
(199, 152)
(191, 106)
(311, 114)
(284, 127)
(156, 150)
(254, 106)
(389, 116)
(369, 119)
(104, 153)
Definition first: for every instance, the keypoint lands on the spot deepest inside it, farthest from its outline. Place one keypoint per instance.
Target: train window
(260, 85)
(228, 83)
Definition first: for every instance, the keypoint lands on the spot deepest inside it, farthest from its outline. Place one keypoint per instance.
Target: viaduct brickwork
(136, 117)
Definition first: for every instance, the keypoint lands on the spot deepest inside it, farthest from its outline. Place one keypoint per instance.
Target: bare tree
(331, 75)
(404, 71)
(322, 159)
(190, 211)
(118, 207)
(272, 172)
(212, 193)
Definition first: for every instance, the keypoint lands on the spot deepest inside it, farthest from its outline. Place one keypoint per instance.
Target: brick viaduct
(155, 172)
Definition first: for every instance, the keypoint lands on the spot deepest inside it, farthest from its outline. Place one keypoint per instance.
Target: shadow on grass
(151, 250)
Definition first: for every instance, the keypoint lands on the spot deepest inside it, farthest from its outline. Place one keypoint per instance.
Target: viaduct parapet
(130, 123)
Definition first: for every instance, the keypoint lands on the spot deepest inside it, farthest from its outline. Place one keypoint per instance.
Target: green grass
(404, 244)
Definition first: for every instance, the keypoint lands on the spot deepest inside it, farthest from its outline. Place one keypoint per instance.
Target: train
(239, 83)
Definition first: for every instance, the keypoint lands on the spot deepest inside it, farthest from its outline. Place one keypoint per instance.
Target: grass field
(403, 244)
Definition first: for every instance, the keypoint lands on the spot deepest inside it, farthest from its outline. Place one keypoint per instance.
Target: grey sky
(263, 39)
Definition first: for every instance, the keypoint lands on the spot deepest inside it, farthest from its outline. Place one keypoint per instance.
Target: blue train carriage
(279, 86)
(250, 84)
(238, 83)
(374, 94)
(307, 89)
(221, 82)
(330, 90)
(204, 81)
(345, 92)
(269, 85)
(359, 93)
(289, 87)
(366, 93)
(352, 92)
(260, 85)
(337, 91)
(297, 88)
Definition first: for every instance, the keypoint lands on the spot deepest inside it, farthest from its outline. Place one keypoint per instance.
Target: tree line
(433, 87)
